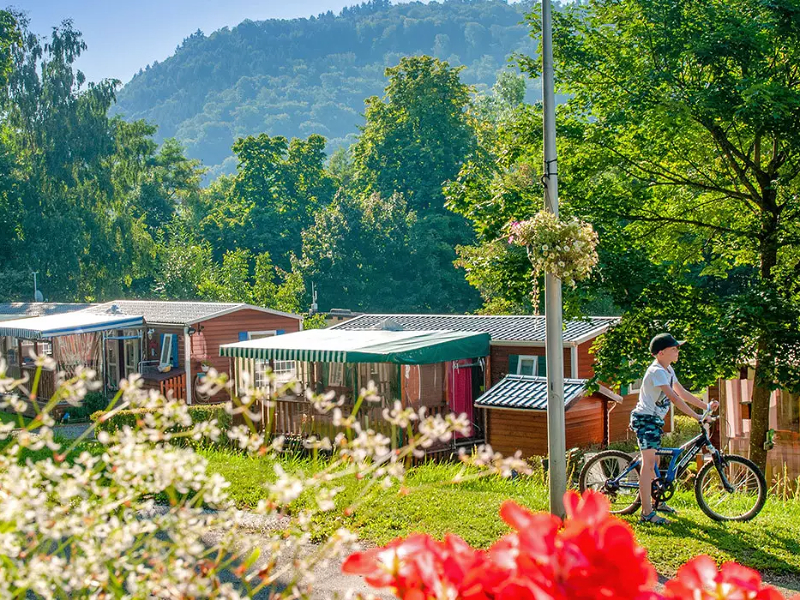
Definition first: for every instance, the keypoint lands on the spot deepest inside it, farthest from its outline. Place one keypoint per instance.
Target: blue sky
(124, 35)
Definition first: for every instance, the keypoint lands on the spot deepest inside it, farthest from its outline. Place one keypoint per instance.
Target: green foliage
(375, 254)
(81, 195)
(199, 413)
(415, 138)
(92, 402)
(302, 76)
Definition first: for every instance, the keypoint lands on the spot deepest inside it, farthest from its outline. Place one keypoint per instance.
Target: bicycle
(727, 488)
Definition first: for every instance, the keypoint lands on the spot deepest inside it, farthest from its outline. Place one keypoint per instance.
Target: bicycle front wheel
(733, 491)
(603, 473)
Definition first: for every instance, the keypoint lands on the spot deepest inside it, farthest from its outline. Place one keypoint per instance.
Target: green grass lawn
(770, 543)
(13, 418)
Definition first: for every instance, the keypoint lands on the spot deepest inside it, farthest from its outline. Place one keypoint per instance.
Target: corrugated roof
(177, 313)
(527, 392)
(19, 310)
(502, 328)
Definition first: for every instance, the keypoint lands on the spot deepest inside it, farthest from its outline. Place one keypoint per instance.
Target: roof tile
(502, 328)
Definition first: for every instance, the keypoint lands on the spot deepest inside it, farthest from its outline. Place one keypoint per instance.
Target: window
(257, 335)
(527, 365)
(284, 370)
(635, 386)
(166, 350)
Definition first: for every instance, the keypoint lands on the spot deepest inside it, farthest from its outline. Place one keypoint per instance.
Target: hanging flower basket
(565, 249)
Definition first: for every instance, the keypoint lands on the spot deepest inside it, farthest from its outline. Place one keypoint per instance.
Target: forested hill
(303, 76)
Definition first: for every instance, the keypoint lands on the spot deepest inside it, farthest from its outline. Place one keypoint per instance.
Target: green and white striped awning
(364, 346)
(44, 328)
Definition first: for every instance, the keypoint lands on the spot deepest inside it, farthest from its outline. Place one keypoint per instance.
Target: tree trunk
(759, 409)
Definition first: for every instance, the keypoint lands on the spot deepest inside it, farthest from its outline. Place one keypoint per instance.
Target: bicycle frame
(679, 462)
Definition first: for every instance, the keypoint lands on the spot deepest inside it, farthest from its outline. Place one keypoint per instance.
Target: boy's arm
(688, 396)
(678, 401)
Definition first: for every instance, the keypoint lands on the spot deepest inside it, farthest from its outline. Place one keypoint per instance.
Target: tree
(687, 129)
(273, 197)
(374, 254)
(417, 136)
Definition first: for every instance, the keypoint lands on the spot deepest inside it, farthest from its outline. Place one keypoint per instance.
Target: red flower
(699, 579)
(590, 556)
(417, 567)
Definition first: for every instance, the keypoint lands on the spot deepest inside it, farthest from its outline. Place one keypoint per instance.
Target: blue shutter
(513, 361)
(541, 367)
(175, 350)
(280, 332)
(623, 390)
(242, 336)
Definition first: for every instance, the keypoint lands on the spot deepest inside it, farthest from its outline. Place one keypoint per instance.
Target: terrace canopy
(52, 326)
(364, 346)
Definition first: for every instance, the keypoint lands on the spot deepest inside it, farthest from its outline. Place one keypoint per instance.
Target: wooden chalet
(182, 339)
(170, 344)
(434, 369)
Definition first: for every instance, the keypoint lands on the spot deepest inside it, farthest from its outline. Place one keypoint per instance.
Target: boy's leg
(646, 476)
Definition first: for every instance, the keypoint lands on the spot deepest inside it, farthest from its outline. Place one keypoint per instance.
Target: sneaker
(654, 519)
(664, 508)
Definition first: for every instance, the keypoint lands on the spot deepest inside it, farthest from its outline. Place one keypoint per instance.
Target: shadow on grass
(733, 541)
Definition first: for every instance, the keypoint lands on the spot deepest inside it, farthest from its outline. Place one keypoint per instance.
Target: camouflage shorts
(648, 429)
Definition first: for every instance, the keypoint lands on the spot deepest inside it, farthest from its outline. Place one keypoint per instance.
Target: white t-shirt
(652, 399)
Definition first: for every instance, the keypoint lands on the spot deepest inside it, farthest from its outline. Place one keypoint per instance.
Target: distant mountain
(302, 76)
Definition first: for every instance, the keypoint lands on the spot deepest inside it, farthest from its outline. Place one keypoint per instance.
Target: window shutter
(280, 332)
(513, 362)
(175, 350)
(541, 367)
(623, 390)
(242, 336)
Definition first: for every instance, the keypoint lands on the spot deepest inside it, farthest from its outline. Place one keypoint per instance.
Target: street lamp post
(556, 443)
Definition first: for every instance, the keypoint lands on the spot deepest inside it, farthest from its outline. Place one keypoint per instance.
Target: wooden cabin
(439, 370)
(517, 347)
(735, 397)
(182, 339)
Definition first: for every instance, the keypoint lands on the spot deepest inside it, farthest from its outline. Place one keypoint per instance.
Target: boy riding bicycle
(659, 387)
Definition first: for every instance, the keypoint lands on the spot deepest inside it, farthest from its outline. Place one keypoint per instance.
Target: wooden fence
(47, 382)
(298, 419)
(174, 385)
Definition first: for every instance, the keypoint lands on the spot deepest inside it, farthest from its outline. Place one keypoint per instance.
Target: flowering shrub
(591, 555)
(566, 249)
(138, 515)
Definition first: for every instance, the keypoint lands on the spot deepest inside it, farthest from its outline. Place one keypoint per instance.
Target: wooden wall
(500, 354)
(585, 360)
(526, 430)
(213, 333)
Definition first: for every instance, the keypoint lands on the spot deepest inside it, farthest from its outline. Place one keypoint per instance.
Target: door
(112, 364)
(132, 354)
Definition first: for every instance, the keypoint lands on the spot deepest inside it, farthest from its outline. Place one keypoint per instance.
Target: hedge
(204, 412)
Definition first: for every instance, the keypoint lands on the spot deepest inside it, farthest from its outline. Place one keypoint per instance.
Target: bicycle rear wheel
(745, 497)
(599, 474)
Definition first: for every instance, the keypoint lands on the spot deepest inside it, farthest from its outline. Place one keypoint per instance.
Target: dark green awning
(364, 346)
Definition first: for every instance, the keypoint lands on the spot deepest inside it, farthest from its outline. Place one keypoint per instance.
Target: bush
(131, 418)
(92, 403)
